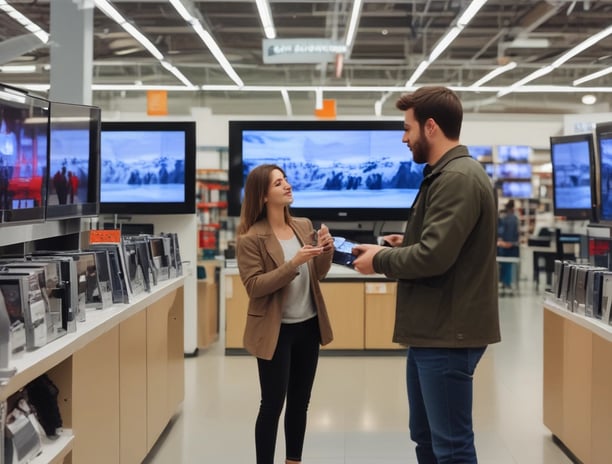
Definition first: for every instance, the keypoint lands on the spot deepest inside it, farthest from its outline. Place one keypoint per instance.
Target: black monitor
(148, 167)
(339, 170)
(516, 189)
(603, 137)
(74, 161)
(572, 158)
(24, 133)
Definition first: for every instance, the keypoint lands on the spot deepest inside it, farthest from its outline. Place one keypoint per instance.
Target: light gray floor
(358, 412)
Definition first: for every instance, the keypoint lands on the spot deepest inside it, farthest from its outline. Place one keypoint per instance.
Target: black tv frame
(91, 207)
(155, 208)
(34, 214)
(603, 131)
(574, 214)
(317, 214)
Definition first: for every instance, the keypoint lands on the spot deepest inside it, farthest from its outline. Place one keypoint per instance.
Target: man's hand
(365, 255)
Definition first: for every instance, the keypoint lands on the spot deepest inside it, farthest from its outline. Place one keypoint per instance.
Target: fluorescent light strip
(354, 21)
(287, 102)
(18, 69)
(493, 74)
(559, 61)
(592, 76)
(216, 51)
(447, 39)
(182, 10)
(263, 7)
(24, 21)
(111, 12)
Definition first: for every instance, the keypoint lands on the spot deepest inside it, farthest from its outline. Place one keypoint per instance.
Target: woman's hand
(305, 254)
(324, 238)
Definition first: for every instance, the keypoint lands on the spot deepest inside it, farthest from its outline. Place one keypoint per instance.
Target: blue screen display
(572, 174)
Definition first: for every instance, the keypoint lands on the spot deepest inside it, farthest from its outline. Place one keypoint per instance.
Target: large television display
(513, 171)
(572, 158)
(513, 153)
(516, 189)
(24, 132)
(338, 170)
(147, 167)
(603, 137)
(74, 161)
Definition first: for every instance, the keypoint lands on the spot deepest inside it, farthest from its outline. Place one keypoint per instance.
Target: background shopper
(507, 243)
(280, 268)
(445, 264)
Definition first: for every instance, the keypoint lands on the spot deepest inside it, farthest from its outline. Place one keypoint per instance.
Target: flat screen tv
(513, 153)
(24, 133)
(339, 170)
(513, 171)
(516, 189)
(603, 137)
(74, 161)
(482, 153)
(572, 158)
(147, 167)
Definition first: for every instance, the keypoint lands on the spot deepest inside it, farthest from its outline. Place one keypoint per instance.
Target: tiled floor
(358, 412)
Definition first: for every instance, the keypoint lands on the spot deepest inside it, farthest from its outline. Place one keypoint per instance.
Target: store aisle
(358, 412)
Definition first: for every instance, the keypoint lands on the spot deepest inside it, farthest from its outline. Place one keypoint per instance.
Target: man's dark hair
(438, 103)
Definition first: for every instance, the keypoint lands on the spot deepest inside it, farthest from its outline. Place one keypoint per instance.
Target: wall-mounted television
(513, 171)
(482, 153)
(513, 153)
(24, 133)
(489, 169)
(603, 137)
(572, 158)
(339, 170)
(516, 189)
(147, 167)
(74, 161)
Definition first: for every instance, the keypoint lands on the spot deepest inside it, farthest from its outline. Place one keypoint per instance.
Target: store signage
(301, 50)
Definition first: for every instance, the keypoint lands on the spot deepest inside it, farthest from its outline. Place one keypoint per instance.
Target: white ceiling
(392, 39)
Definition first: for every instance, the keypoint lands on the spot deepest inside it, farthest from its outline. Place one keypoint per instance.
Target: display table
(361, 310)
(120, 378)
(577, 382)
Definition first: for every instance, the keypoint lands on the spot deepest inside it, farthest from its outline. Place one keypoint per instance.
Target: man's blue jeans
(440, 384)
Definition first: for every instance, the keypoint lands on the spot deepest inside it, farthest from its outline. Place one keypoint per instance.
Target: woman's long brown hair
(256, 188)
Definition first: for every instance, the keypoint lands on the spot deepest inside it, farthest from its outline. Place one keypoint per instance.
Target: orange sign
(328, 111)
(105, 236)
(157, 102)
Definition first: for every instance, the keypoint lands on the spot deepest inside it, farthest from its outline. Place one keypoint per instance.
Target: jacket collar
(457, 152)
(264, 231)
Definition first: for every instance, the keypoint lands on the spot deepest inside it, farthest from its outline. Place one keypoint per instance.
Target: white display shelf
(594, 325)
(98, 321)
(55, 450)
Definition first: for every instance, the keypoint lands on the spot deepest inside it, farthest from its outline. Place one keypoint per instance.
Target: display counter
(120, 378)
(361, 310)
(577, 380)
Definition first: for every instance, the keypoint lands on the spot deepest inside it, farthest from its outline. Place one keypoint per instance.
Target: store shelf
(55, 450)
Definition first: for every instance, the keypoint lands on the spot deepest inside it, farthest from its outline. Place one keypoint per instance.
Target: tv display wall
(147, 167)
(339, 170)
(603, 136)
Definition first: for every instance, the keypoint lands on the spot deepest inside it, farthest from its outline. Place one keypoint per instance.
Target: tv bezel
(188, 206)
(236, 128)
(602, 130)
(574, 214)
(36, 214)
(91, 207)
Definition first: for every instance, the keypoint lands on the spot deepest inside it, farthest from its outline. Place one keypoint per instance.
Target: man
(445, 265)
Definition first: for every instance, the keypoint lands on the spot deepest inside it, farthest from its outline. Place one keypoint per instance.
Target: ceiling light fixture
(559, 61)
(287, 102)
(18, 69)
(589, 99)
(353, 22)
(24, 21)
(447, 39)
(208, 40)
(263, 7)
(493, 74)
(110, 11)
(319, 98)
(592, 76)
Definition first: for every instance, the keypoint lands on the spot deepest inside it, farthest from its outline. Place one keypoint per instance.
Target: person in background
(446, 271)
(281, 260)
(507, 243)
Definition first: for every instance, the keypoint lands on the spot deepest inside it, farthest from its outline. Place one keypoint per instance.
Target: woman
(280, 268)
(508, 243)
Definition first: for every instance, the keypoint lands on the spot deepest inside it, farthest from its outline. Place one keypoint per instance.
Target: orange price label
(105, 236)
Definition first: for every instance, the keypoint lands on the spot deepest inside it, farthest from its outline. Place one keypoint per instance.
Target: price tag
(105, 236)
